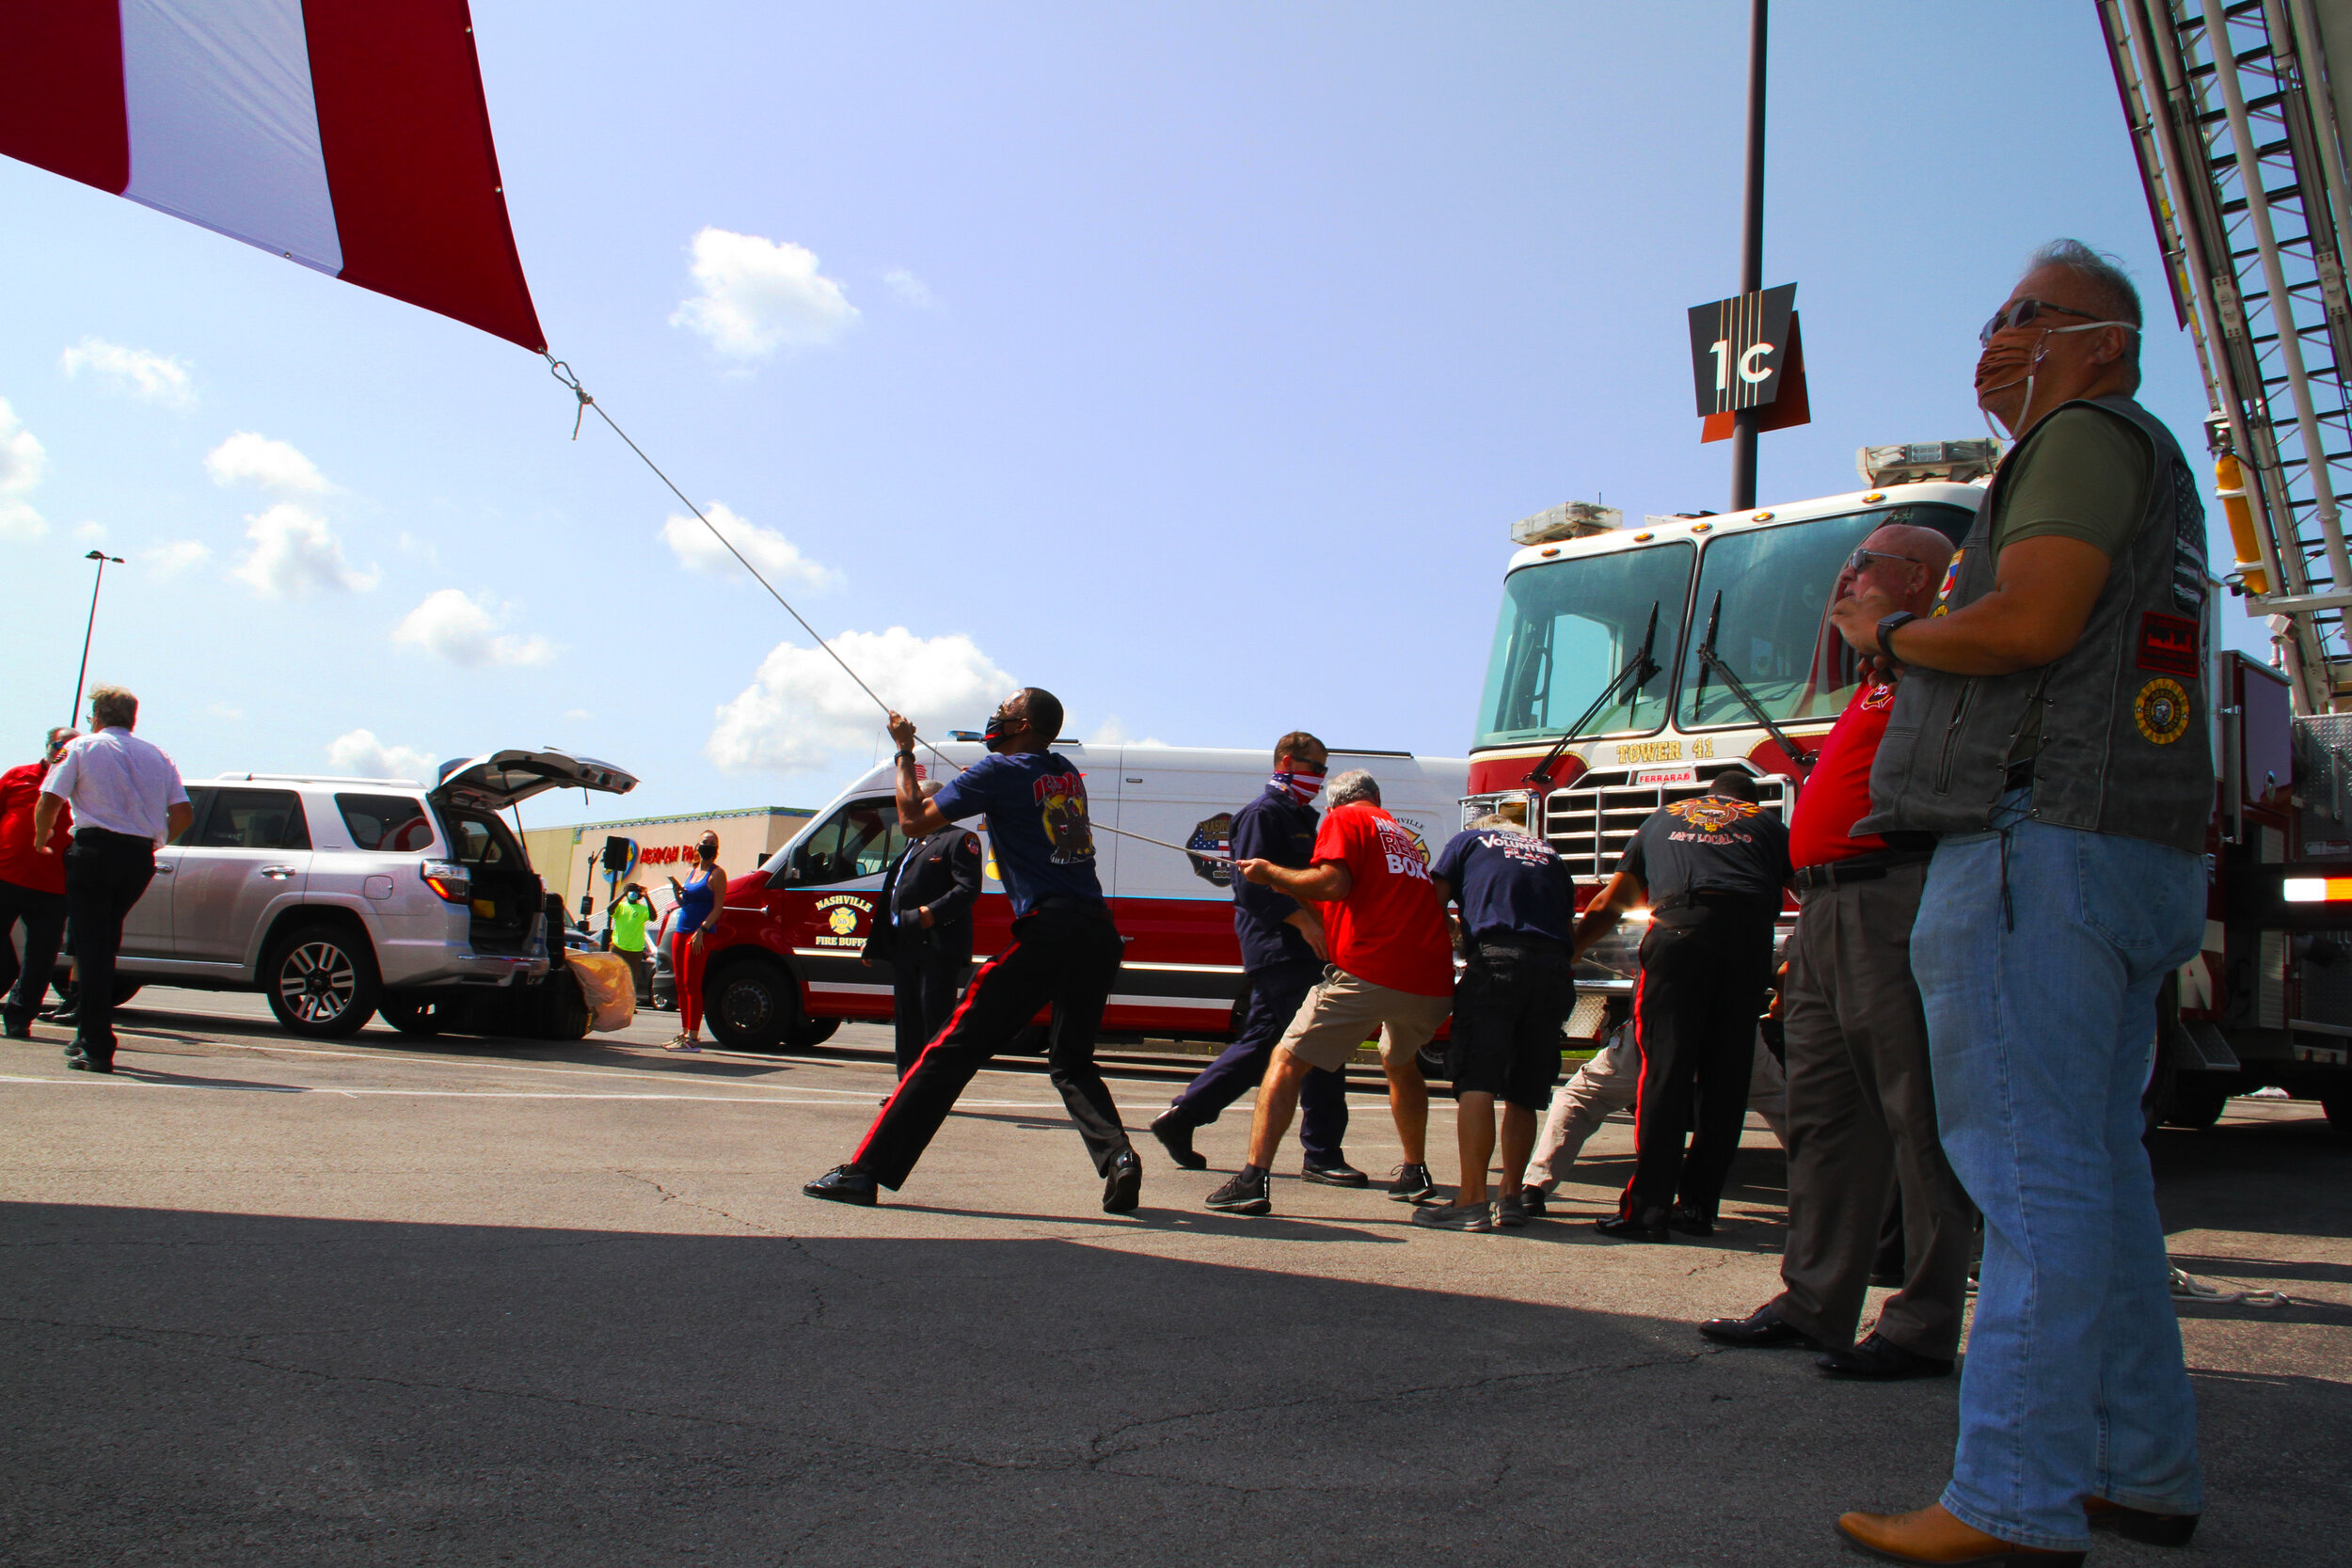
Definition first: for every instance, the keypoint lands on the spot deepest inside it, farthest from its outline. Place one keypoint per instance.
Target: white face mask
(2040, 350)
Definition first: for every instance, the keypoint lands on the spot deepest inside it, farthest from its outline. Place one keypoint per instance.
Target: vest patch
(2162, 711)
(2168, 645)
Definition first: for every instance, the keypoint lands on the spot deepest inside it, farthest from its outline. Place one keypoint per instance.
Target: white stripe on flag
(224, 129)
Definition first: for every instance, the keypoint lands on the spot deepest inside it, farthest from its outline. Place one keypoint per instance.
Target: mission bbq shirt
(1036, 806)
(1509, 886)
(1713, 844)
(1389, 929)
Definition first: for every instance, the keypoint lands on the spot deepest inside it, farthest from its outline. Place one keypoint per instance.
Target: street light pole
(73, 715)
(1750, 254)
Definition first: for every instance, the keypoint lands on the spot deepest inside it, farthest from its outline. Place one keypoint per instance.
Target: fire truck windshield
(1568, 627)
(1773, 631)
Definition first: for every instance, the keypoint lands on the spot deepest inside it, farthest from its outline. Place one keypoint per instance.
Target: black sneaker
(1686, 1219)
(1536, 1202)
(1124, 1188)
(1245, 1193)
(1339, 1175)
(1411, 1184)
(1176, 1137)
(1457, 1216)
(843, 1184)
(1511, 1209)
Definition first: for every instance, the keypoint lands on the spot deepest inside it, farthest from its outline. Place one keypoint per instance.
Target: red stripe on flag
(61, 89)
(409, 160)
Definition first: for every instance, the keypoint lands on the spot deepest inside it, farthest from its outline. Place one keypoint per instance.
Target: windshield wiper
(1641, 668)
(1712, 663)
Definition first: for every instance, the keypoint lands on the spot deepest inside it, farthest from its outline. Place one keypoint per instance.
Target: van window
(385, 824)
(859, 840)
(475, 842)
(254, 819)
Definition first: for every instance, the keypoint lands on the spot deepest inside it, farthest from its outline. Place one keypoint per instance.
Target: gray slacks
(1608, 1082)
(1862, 1116)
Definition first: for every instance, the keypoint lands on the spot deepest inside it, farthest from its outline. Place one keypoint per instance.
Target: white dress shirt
(114, 780)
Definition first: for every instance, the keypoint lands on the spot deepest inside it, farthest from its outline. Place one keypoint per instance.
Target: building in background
(568, 859)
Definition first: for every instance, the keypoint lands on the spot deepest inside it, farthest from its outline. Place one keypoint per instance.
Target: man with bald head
(1861, 1096)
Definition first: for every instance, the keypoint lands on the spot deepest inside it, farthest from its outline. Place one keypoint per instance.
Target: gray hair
(2109, 283)
(1355, 784)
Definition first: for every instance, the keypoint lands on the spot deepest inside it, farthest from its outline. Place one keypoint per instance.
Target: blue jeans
(2039, 1037)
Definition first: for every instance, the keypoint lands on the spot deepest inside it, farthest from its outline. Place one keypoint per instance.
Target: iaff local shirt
(1389, 929)
(1036, 806)
(1509, 885)
(1713, 844)
(1837, 794)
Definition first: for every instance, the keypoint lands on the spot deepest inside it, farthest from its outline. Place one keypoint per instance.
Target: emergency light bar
(1568, 520)
(1956, 462)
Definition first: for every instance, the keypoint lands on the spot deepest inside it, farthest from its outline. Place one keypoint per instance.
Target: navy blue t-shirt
(1714, 843)
(1272, 827)
(1509, 885)
(1036, 806)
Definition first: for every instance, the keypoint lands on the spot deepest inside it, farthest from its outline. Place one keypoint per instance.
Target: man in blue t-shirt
(1065, 951)
(1516, 992)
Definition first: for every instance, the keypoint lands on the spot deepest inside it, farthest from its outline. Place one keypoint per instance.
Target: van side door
(249, 858)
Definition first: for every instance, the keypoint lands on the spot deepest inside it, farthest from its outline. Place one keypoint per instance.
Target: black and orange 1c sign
(1738, 346)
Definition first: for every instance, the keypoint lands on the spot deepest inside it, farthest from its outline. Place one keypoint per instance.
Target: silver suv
(337, 898)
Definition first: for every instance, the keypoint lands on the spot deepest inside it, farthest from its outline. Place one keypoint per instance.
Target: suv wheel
(321, 981)
(751, 1006)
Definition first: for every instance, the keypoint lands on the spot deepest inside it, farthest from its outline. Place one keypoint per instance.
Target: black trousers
(1704, 967)
(1064, 959)
(1275, 993)
(922, 986)
(105, 874)
(42, 915)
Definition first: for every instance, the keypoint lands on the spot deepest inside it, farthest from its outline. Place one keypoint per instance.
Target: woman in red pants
(700, 901)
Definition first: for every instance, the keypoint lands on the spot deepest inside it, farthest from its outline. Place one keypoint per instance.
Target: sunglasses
(1860, 560)
(2023, 312)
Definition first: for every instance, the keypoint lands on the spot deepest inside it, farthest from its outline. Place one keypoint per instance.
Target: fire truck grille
(1591, 822)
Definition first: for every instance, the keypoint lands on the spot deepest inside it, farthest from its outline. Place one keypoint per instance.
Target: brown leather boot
(1930, 1535)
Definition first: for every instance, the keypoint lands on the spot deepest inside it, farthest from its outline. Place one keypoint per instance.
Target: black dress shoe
(2137, 1524)
(1688, 1220)
(1762, 1329)
(1122, 1189)
(843, 1184)
(1340, 1175)
(1176, 1137)
(16, 1031)
(1878, 1360)
(1624, 1225)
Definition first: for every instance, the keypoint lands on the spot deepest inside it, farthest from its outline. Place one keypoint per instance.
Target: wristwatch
(1889, 626)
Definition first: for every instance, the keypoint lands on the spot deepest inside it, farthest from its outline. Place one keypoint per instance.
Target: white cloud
(468, 632)
(296, 554)
(174, 556)
(22, 464)
(359, 756)
(90, 534)
(249, 458)
(911, 288)
(758, 296)
(411, 545)
(777, 558)
(800, 709)
(1114, 732)
(135, 371)
(577, 716)
(222, 710)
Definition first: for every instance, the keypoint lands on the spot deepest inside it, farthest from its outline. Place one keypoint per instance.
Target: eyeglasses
(1860, 560)
(2023, 312)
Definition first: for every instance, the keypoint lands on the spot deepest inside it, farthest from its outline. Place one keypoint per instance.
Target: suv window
(254, 819)
(859, 840)
(478, 841)
(385, 824)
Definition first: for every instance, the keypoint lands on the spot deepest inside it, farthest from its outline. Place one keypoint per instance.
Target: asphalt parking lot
(467, 1301)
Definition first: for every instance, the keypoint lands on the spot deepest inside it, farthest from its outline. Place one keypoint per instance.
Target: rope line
(564, 374)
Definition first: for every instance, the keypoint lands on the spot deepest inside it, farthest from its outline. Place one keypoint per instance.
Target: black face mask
(999, 727)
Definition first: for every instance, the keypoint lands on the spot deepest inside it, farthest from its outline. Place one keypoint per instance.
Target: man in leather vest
(2051, 727)
(923, 930)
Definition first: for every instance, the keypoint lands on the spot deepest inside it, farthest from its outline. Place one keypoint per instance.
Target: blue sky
(1190, 360)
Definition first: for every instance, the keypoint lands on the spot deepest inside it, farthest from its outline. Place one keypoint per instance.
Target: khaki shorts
(1340, 1013)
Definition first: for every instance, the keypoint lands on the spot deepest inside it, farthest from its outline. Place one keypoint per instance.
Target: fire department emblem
(1713, 814)
(1213, 836)
(2162, 711)
(843, 920)
(1876, 697)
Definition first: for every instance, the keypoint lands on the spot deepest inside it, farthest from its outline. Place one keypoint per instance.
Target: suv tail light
(450, 881)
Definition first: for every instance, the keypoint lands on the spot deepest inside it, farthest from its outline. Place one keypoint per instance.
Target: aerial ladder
(2236, 119)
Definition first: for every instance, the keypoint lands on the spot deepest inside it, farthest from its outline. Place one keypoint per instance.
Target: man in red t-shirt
(1860, 1097)
(1391, 970)
(32, 891)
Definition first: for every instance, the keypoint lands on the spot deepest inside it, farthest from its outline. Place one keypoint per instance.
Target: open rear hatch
(505, 894)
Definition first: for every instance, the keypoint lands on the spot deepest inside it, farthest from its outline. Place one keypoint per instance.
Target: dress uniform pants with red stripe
(1705, 969)
(1065, 959)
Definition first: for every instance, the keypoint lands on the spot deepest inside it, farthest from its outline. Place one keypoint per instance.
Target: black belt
(1862, 868)
(109, 832)
(1718, 899)
(1516, 944)
(1064, 904)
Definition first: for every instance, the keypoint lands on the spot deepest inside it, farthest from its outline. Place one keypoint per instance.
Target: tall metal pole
(1751, 254)
(74, 714)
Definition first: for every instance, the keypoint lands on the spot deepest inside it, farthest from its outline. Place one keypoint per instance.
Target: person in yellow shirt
(629, 916)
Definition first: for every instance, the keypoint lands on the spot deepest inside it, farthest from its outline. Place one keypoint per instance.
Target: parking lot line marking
(476, 1094)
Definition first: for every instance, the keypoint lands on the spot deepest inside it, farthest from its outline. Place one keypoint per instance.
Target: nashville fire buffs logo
(1713, 814)
(2162, 711)
(1061, 800)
